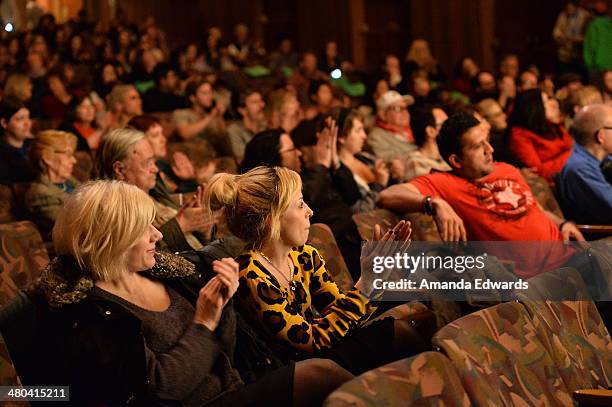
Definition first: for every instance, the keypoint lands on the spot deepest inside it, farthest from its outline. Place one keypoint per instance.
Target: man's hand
(570, 231)
(450, 226)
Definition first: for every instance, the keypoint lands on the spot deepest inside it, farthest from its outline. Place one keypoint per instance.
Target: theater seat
(7, 203)
(570, 327)
(322, 238)
(22, 258)
(427, 379)
(8, 374)
(366, 221)
(501, 360)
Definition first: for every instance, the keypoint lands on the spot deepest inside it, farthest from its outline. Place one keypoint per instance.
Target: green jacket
(597, 49)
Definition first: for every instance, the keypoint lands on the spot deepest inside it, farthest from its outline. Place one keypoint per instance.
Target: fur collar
(63, 282)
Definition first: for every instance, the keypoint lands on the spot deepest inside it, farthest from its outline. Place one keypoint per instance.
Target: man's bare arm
(404, 198)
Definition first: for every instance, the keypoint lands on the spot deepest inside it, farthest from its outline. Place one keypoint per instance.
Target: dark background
(367, 29)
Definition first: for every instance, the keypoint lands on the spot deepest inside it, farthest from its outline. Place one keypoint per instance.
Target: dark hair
(73, 105)
(9, 107)
(529, 113)
(241, 102)
(314, 86)
(263, 149)
(421, 116)
(143, 122)
(450, 139)
(161, 70)
(192, 87)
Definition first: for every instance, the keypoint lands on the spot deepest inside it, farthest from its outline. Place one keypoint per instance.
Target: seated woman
(537, 137)
(371, 174)
(52, 154)
(126, 325)
(81, 121)
(284, 286)
(329, 187)
(16, 132)
(176, 177)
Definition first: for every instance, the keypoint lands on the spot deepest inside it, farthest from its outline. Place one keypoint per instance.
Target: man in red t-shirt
(483, 200)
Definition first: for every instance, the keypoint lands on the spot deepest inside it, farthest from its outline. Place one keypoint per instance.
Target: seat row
(531, 352)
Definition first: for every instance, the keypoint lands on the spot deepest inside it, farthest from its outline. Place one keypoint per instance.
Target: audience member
(163, 96)
(596, 52)
(371, 174)
(126, 155)
(52, 154)
(81, 121)
(251, 107)
(426, 122)
(329, 186)
(483, 200)
(172, 336)
(204, 119)
(392, 137)
(493, 114)
(585, 194)
(568, 32)
(280, 275)
(14, 143)
(537, 137)
(124, 102)
(176, 176)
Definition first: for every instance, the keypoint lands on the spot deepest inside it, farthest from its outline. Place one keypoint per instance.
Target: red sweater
(546, 155)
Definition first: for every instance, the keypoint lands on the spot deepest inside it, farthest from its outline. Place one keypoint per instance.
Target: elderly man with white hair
(586, 195)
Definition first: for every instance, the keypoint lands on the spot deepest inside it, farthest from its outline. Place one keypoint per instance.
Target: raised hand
(182, 166)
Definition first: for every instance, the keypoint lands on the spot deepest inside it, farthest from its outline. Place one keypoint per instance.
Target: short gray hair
(116, 146)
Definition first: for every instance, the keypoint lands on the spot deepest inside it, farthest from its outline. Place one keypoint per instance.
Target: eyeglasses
(398, 109)
(602, 128)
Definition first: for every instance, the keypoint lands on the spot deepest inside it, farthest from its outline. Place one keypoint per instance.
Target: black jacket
(96, 346)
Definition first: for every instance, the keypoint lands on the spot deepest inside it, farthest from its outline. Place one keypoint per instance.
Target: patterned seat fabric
(7, 202)
(8, 374)
(427, 379)
(365, 222)
(423, 227)
(501, 360)
(22, 257)
(572, 330)
(544, 194)
(322, 238)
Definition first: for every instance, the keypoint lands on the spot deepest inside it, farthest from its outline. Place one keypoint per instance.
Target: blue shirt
(585, 194)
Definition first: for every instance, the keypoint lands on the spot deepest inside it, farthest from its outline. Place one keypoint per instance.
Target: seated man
(392, 137)
(163, 96)
(482, 200)
(585, 194)
(127, 155)
(251, 107)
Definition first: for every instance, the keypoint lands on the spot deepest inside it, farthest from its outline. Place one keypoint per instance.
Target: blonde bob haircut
(99, 223)
(254, 202)
(49, 142)
(116, 146)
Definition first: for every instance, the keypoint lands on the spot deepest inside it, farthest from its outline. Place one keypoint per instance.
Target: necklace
(289, 280)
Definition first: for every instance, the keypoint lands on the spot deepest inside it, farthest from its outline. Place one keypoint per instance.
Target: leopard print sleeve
(289, 317)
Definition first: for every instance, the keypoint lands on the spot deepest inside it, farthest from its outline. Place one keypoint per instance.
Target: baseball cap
(390, 97)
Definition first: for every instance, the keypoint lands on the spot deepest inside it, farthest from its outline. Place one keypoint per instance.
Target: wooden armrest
(595, 229)
(593, 397)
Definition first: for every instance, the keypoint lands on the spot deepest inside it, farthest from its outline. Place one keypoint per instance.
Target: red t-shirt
(501, 207)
